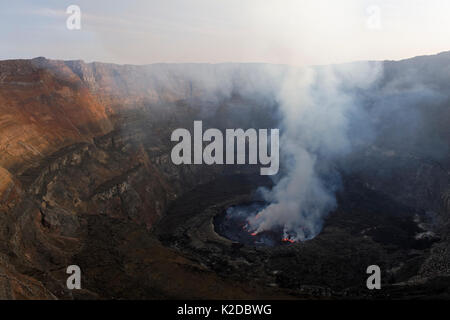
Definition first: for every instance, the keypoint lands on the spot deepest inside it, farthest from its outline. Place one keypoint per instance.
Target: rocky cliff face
(85, 173)
(82, 143)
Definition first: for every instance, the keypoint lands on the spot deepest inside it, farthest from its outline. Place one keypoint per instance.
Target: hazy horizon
(302, 32)
(225, 62)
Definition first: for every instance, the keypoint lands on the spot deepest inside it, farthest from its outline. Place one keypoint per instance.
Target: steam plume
(316, 109)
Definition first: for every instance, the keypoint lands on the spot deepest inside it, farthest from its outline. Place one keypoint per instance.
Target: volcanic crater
(86, 179)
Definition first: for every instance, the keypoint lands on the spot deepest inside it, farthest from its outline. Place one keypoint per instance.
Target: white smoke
(317, 105)
(323, 113)
(317, 109)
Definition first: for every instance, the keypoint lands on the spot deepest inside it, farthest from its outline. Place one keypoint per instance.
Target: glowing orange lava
(287, 240)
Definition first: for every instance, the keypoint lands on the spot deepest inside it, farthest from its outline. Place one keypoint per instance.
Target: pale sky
(296, 32)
